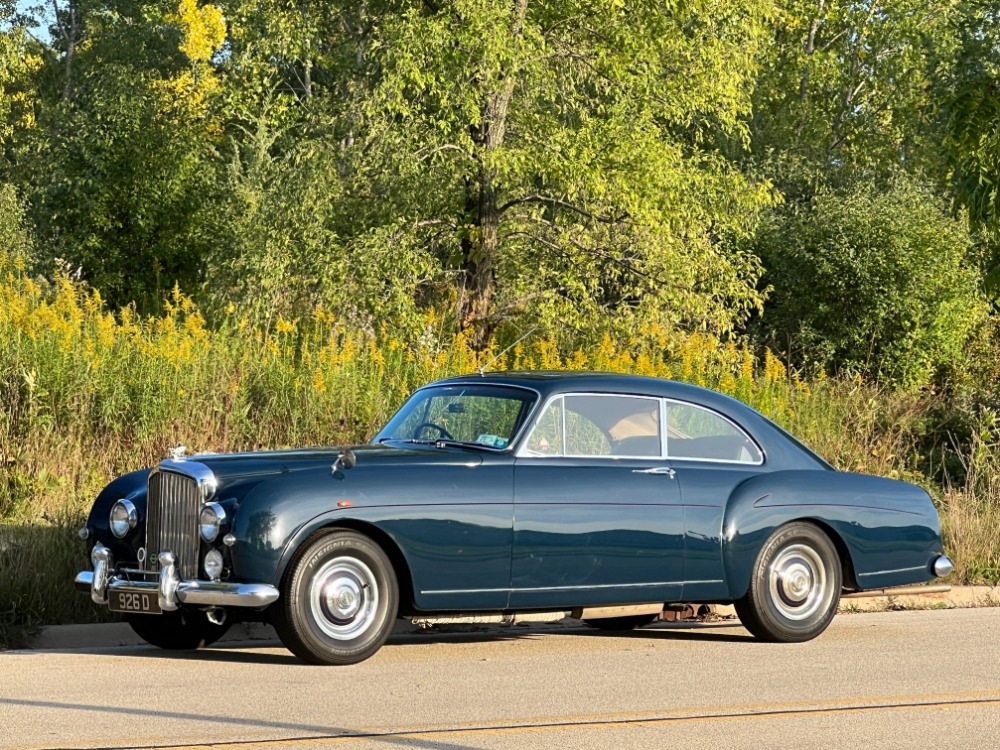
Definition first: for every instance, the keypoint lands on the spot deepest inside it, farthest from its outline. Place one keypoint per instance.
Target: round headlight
(212, 518)
(213, 564)
(123, 518)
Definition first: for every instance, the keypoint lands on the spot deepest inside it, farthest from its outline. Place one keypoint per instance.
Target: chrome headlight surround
(210, 521)
(122, 518)
(208, 486)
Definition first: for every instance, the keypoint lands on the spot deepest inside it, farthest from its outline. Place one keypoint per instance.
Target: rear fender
(887, 531)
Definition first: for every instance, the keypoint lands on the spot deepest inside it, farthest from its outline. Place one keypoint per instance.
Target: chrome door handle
(665, 471)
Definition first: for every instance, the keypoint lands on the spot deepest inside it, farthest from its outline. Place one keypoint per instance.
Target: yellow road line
(602, 721)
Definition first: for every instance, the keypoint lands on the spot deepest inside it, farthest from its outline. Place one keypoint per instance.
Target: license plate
(134, 601)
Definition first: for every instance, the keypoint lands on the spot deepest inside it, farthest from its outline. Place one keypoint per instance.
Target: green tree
(874, 280)
(123, 153)
(554, 160)
(854, 90)
(559, 154)
(15, 240)
(973, 140)
(276, 219)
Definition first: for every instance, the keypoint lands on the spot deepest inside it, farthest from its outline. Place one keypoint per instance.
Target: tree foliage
(877, 281)
(560, 154)
(122, 155)
(583, 166)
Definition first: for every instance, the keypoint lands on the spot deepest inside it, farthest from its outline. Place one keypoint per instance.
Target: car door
(712, 455)
(597, 509)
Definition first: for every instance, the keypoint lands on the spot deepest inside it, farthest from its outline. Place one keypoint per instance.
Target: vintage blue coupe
(610, 495)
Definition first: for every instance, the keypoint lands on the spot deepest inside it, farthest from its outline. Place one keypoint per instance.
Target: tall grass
(970, 512)
(87, 394)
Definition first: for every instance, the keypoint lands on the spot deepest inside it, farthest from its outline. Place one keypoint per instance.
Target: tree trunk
(69, 28)
(479, 252)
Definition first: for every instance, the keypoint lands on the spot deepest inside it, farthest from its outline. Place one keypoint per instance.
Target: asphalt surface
(886, 680)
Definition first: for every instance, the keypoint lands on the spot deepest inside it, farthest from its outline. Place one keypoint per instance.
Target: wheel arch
(843, 506)
(848, 577)
(386, 543)
(743, 552)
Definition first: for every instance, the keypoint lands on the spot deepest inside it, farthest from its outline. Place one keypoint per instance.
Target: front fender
(888, 530)
(275, 513)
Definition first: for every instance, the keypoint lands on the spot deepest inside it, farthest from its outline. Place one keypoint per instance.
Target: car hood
(228, 467)
(238, 474)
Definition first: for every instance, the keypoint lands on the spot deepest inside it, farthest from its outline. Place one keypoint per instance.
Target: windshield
(484, 415)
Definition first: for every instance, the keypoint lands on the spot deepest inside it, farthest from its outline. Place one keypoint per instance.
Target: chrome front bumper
(171, 591)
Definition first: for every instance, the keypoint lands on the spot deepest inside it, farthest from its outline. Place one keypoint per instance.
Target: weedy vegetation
(89, 394)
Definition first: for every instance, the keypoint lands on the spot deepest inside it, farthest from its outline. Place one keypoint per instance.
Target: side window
(547, 437)
(696, 433)
(583, 436)
(612, 426)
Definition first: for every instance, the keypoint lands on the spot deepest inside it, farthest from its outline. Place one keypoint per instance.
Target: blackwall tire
(181, 630)
(339, 599)
(795, 588)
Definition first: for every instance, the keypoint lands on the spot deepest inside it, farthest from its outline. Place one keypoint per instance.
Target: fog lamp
(213, 564)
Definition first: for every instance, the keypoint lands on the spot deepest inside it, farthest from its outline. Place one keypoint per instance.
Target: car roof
(551, 382)
(547, 383)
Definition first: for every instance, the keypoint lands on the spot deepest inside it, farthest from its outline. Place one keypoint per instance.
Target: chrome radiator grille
(172, 521)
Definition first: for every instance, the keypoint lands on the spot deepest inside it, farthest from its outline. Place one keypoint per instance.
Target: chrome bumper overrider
(172, 592)
(942, 566)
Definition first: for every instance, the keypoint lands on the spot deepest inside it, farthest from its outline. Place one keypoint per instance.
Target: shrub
(873, 281)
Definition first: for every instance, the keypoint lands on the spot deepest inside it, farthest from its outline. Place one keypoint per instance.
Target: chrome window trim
(520, 453)
(664, 404)
(720, 415)
(528, 420)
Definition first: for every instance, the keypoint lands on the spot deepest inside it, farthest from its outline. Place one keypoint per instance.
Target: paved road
(890, 680)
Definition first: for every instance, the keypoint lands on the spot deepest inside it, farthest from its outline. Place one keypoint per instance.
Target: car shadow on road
(271, 651)
(693, 630)
(282, 733)
(680, 632)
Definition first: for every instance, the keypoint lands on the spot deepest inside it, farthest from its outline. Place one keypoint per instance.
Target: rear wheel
(795, 587)
(338, 601)
(629, 622)
(181, 630)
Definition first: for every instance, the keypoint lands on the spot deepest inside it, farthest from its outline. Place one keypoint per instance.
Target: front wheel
(795, 587)
(180, 630)
(338, 601)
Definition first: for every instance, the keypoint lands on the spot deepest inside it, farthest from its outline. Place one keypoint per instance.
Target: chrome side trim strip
(713, 580)
(894, 570)
(564, 588)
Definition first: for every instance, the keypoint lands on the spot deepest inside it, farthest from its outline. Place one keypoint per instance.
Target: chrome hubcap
(343, 598)
(798, 582)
